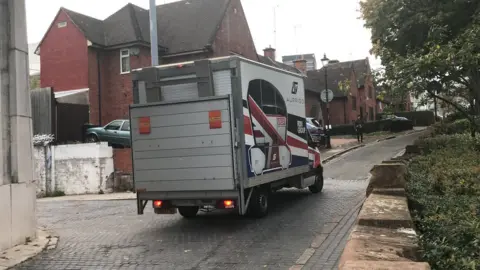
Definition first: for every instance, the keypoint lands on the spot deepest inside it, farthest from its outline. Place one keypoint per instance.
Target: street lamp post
(327, 126)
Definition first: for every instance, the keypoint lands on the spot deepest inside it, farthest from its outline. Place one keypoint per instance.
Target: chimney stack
(301, 64)
(270, 53)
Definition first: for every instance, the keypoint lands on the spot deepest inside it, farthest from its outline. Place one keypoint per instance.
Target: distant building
(33, 60)
(79, 52)
(360, 97)
(311, 61)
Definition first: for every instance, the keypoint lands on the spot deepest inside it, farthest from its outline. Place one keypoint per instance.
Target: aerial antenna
(275, 26)
(296, 39)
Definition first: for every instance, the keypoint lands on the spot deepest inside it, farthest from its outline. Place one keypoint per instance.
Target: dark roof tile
(92, 28)
(336, 73)
(268, 61)
(182, 26)
(121, 27)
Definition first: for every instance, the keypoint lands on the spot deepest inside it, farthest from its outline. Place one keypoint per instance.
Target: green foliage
(34, 81)
(444, 193)
(344, 86)
(460, 126)
(428, 46)
(456, 127)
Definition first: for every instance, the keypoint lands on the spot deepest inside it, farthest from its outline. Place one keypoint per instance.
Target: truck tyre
(258, 207)
(318, 186)
(188, 211)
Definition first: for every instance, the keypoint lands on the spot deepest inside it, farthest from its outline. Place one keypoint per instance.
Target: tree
(429, 45)
(34, 81)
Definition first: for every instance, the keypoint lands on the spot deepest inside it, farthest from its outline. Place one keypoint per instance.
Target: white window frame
(62, 24)
(123, 55)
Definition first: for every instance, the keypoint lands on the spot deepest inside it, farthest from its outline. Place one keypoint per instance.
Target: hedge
(370, 127)
(456, 127)
(419, 118)
(443, 189)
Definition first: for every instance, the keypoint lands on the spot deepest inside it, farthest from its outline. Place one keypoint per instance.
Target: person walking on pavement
(359, 129)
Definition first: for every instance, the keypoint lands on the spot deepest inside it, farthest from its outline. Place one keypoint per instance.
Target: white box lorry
(219, 133)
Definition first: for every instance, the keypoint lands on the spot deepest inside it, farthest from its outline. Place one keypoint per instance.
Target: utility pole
(153, 33)
(295, 27)
(275, 26)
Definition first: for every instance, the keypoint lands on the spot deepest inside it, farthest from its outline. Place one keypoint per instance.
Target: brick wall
(64, 56)
(371, 98)
(344, 111)
(337, 112)
(116, 92)
(353, 111)
(234, 35)
(312, 101)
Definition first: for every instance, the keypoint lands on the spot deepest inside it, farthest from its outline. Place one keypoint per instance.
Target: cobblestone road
(109, 234)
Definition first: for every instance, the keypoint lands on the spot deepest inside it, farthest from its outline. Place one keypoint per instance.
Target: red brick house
(81, 52)
(358, 99)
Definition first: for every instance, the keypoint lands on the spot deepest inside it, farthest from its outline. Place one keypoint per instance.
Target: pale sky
(322, 26)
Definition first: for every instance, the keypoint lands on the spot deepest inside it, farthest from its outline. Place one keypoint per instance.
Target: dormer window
(62, 24)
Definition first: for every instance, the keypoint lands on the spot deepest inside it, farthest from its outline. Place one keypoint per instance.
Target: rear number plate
(169, 211)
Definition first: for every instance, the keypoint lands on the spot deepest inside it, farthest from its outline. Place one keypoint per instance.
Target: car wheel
(92, 138)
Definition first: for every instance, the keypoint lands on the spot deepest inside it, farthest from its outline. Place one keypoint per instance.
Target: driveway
(109, 234)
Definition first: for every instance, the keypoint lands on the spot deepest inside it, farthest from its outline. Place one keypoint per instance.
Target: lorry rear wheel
(318, 186)
(188, 211)
(259, 203)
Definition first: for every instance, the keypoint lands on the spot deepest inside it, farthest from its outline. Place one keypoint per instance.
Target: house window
(354, 103)
(124, 61)
(61, 24)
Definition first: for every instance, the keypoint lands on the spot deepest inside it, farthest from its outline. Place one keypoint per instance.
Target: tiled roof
(183, 26)
(268, 61)
(337, 72)
(291, 58)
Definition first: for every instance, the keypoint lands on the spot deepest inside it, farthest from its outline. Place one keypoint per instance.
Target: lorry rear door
(183, 145)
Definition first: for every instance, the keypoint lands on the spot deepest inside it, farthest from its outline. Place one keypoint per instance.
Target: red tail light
(157, 204)
(228, 204)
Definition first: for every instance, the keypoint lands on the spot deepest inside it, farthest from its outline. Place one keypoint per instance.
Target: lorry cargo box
(219, 133)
